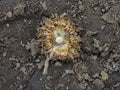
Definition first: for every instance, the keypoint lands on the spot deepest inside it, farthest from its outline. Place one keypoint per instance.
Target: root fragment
(46, 64)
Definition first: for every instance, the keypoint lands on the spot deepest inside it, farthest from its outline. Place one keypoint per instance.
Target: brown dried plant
(58, 39)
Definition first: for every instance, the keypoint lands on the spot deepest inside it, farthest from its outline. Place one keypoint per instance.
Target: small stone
(102, 27)
(94, 57)
(104, 53)
(103, 10)
(37, 60)
(40, 65)
(23, 45)
(7, 24)
(28, 46)
(91, 33)
(17, 65)
(104, 76)
(83, 85)
(18, 78)
(33, 46)
(25, 20)
(80, 68)
(98, 83)
(86, 76)
(9, 14)
(95, 75)
(19, 9)
(69, 71)
(112, 16)
(23, 69)
(30, 22)
(108, 18)
(74, 15)
(44, 5)
(81, 7)
(4, 54)
(58, 64)
(21, 87)
(96, 44)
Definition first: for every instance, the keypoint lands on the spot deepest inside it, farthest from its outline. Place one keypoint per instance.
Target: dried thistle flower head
(58, 36)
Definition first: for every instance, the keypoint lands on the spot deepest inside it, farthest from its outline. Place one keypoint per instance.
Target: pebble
(17, 65)
(80, 68)
(40, 65)
(4, 54)
(9, 14)
(96, 44)
(7, 25)
(58, 64)
(33, 46)
(112, 16)
(104, 76)
(44, 5)
(98, 83)
(23, 69)
(102, 27)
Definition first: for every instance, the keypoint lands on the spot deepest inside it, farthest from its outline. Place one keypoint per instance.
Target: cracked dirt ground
(21, 64)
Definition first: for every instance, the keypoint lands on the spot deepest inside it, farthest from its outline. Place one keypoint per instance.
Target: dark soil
(21, 64)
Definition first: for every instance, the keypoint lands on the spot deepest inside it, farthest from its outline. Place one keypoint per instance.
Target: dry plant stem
(46, 65)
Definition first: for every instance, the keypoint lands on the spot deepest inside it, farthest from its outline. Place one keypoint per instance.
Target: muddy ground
(21, 64)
